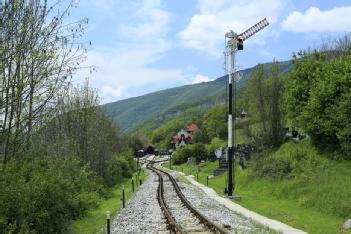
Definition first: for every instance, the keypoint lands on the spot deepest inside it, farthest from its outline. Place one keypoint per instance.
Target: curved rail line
(170, 219)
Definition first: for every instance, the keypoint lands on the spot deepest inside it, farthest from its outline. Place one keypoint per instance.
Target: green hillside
(155, 108)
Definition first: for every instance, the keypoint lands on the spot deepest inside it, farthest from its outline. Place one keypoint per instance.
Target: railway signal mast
(233, 43)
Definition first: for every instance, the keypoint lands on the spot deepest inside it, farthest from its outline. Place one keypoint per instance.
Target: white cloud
(111, 93)
(206, 29)
(149, 23)
(126, 69)
(315, 20)
(200, 78)
(121, 72)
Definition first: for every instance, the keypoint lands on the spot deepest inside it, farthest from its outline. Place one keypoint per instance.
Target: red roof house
(185, 137)
(192, 128)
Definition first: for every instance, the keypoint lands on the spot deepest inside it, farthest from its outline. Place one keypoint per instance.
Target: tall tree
(259, 91)
(256, 102)
(76, 126)
(275, 113)
(215, 122)
(263, 97)
(40, 51)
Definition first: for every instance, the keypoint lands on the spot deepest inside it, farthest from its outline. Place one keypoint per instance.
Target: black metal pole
(207, 181)
(230, 137)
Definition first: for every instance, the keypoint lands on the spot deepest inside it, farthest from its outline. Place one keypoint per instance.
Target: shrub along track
(181, 216)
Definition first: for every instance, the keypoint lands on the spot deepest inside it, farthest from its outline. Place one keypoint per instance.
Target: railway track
(181, 216)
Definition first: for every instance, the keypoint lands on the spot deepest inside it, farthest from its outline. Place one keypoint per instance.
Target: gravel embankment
(217, 212)
(142, 214)
(178, 210)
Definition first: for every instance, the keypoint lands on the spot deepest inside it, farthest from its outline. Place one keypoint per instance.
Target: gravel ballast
(217, 212)
(142, 214)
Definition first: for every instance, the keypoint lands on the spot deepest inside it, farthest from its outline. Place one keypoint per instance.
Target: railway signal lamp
(233, 43)
(240, 44)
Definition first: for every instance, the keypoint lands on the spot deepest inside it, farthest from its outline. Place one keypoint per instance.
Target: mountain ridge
(132, 113)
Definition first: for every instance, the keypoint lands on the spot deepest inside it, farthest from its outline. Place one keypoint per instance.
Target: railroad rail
(204, 224)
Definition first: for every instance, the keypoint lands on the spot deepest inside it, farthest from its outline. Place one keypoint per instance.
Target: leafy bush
(304, 176)
(41, 197)
(121, 165)
(289, 161)
(318, 100)
(181, 155)
(197, 151)
(201, 137)
(215, 122)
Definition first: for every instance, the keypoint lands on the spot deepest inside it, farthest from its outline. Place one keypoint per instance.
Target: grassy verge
(95, 220)
(305, 204)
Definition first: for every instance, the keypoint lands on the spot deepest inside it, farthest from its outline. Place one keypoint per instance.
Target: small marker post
(207, 180)
(108, 214)
(136, 179)
(132, 184)
(123, 201)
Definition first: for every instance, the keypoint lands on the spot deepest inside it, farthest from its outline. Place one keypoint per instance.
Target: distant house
(192, 128)
(184, 137)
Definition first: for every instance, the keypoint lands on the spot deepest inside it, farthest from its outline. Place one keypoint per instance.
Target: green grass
(95, 220)
(316, 205)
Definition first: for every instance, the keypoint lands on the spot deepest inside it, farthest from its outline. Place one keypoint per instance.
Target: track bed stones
(181, 215)
(216, 212)
(347, 224)
(179, 211)
(142, 214)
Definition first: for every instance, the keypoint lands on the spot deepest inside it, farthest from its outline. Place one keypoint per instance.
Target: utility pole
(233, 43)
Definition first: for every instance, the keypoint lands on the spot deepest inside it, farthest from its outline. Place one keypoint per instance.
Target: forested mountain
(145, 112)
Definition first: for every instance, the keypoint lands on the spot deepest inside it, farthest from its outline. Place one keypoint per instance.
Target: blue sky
(141, 46)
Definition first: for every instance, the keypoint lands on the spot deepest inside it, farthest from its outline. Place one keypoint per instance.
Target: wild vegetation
(318, 99)
(59, 151)
(315, 201)
(306, 100)
(308, 176)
